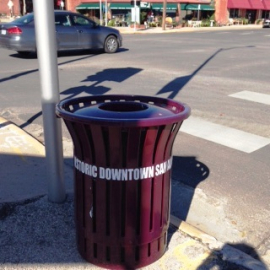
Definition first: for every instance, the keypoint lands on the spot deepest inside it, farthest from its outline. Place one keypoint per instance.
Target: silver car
(73, 32)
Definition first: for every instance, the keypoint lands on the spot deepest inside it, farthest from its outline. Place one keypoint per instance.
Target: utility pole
(164, 14)
(24, 7)
(135, 19)
(100, 12)
(48, 70)
(106, 13)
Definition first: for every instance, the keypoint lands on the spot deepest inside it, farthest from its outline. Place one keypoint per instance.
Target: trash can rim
(177, 111)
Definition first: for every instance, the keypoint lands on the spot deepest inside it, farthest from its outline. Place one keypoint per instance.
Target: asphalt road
(218, 188)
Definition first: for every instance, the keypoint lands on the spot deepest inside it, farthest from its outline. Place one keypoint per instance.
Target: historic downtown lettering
(124, 174)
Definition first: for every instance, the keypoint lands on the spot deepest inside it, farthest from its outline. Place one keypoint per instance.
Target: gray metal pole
(135, 23)
(198, 14)
(100, 12)
(48, 70)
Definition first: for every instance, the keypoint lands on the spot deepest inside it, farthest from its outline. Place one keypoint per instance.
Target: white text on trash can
(124, 174)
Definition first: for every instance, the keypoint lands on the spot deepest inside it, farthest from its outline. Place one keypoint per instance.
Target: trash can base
(122, 257)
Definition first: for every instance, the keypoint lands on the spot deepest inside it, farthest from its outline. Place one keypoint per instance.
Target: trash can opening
(118, 106)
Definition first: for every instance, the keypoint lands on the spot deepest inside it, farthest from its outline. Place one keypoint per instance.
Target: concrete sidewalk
(38, 234)
(158, 30)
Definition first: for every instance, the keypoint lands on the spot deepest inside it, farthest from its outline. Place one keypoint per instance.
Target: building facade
(224, 9)
(21, 7)
(249, 9)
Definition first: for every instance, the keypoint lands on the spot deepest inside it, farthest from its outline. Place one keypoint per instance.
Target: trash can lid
(123, 110)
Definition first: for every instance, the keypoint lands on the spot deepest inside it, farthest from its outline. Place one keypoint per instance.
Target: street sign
(145, 5)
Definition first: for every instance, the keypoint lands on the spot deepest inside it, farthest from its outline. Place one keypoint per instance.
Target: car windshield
(24, 19)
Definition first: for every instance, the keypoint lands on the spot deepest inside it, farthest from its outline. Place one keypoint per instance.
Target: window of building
(234, 13)
(266, 14)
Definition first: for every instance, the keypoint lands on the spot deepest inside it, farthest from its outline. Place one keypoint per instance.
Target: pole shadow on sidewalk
(117, 75)
(187, 174)
(229, 258)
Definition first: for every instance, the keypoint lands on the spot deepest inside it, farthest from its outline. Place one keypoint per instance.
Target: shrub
(206, 23)
(143, 16)
(111, 22)
(244, 20)
(152, 24)
(175, 23)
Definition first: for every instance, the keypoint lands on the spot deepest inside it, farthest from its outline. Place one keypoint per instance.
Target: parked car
(73, 32)
(266, 23)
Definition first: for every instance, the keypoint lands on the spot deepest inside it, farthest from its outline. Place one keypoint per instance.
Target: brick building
(224, 9)
(17, 8)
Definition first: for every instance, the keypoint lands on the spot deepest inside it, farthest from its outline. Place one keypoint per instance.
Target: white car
(266, 23)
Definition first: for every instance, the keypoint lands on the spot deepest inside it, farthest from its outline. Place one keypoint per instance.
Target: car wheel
(111, 45)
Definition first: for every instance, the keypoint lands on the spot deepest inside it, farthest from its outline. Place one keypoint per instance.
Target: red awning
(249, 4)
(238, 4)
(256, 4)
(202, 2)
(266, 4)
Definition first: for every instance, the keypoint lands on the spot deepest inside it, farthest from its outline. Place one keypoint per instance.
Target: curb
(195, 233)
(32, 145)
(158, 30)
(227, 252)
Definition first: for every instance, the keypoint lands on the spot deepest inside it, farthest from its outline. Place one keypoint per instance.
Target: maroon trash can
(122, 166)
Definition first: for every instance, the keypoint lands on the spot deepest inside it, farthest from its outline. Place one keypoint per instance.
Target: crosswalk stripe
(252, 96)
(230, 137)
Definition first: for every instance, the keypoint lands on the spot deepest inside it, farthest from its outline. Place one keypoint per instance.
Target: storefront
(16, 8)
(124, 9)
(89, 9)
(250, 10)
(120, 11)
